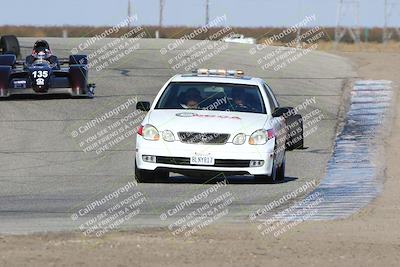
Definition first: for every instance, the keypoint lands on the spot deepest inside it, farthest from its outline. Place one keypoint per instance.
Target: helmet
(41, 48)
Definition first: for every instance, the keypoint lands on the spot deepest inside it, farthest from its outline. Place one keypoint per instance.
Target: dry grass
(324, 44)
(392, 46)
(362, 47)
(374, 34)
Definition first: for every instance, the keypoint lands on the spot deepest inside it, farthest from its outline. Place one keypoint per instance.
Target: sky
(246, 13)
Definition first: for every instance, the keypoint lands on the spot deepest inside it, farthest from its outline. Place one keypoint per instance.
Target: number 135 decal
(40, 74)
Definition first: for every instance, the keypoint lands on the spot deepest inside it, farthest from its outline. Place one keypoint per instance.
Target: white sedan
(240, 39)
(213, 122)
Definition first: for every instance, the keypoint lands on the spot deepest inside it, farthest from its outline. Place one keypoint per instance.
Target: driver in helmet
(41, 49)
(41, 52)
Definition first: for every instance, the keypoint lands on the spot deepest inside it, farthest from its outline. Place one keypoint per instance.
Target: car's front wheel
(267, 178)
(146, 176)
(278, 174)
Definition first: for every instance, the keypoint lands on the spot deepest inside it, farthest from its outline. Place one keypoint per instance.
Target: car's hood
(206, 121)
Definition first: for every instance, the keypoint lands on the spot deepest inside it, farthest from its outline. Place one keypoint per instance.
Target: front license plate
(201, 160)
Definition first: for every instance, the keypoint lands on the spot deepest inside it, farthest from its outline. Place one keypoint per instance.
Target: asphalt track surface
(45, 177)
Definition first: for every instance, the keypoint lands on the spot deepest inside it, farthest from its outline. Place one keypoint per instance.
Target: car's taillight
(140, 130)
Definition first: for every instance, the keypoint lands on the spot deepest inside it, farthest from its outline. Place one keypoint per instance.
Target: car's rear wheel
(78, 79)
(295, 136)
(146, 176)
(10, 44)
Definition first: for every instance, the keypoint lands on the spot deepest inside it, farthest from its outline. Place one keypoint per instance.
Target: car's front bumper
(229, 158)
(29, 91)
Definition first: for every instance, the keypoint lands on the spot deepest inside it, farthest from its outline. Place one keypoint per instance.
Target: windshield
(212, 96)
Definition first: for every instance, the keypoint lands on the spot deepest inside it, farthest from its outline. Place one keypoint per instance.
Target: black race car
(41, 72)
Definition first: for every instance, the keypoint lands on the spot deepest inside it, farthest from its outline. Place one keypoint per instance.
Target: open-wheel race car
(42, 72)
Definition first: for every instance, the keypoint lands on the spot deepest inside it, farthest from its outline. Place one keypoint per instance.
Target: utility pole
(162, 3)
(129, 14)
(207, 12)
(388, 31)
(298, 35)
(348, 10)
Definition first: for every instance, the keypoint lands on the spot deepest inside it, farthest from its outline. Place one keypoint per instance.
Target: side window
(271, 99)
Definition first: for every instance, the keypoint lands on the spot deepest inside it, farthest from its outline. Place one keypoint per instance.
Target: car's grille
(203, 138)
(228, 163)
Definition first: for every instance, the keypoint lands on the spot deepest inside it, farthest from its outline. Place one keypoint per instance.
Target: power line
(207, 11)
(129, 14)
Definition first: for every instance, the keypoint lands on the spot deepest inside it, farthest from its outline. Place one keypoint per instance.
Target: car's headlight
(260, 137)
(168, 136)
(239, 139)
(149, 132)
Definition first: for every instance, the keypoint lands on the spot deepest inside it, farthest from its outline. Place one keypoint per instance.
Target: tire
(78, 75)
(161, 176)
(270, 179)
(280, 174)
(295, 136)
(145, 176)
(10, 44)
(5, 72)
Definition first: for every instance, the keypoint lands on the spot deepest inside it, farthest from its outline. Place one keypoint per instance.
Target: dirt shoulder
(371, 237)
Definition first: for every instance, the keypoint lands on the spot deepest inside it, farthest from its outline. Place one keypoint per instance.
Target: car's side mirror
(143, 105)
(280, 112)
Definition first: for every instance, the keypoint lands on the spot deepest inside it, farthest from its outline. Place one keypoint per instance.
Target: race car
(215, 121)
(42, 72)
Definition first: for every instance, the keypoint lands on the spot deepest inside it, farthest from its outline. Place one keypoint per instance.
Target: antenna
(207, 11)
(390, 6)
(348, 10)
(162, 3)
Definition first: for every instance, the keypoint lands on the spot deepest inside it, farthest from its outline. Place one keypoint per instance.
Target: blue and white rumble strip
(353, 179)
